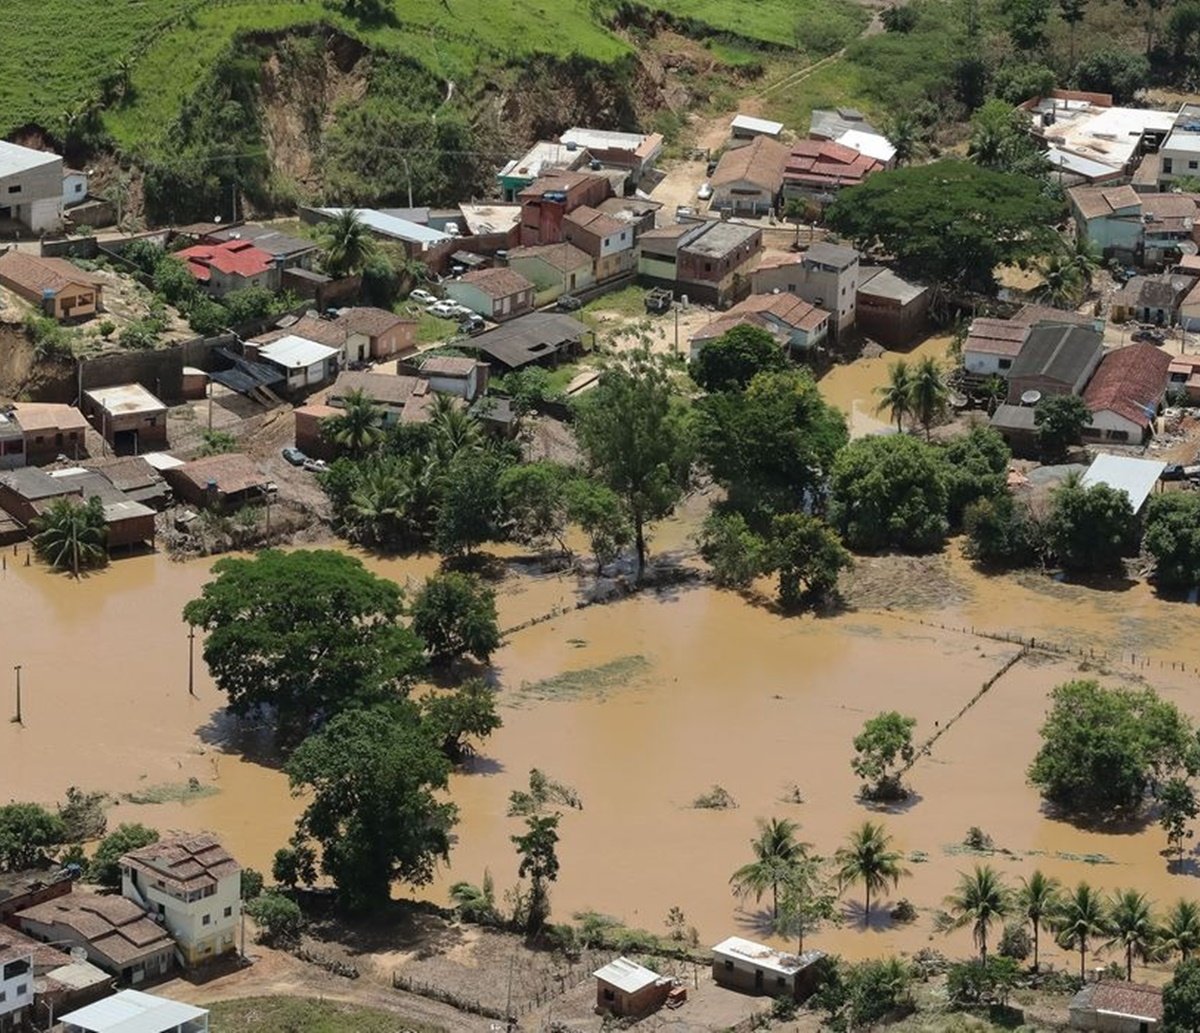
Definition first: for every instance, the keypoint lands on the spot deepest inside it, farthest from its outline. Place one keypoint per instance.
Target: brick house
(547, 201)
(230, 266)
(606, 240)
(61, 290)
(748, 179)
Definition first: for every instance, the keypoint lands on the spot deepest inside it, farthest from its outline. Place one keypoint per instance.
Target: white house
(132, 1011)
(195, 886)
(992, 346)
(305, 363)
(16, 979)
(455, 375)
(74, 187)
(31, 187)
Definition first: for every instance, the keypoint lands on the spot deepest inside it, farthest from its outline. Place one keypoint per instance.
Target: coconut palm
(896, 395)
(454, 428)
(348, 243)
(776, 853)
(1180, 932)
(72, 536)
(867, 858)
(1132, 927)
(1083, 915)
(1085, 258)
(903, 136)
(475, 903)
(1060, 280)
(356, 429)
(994, 391)
(928, 393)
(1038, 902)
(987, 144)
(379, 505)
(980, 900)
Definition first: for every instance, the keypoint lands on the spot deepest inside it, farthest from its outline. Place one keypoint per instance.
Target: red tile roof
(787, 308)
(1129, 381)
(1121, 998)
(234, 258)
(825, 163)
(196, 861)
(594, 221)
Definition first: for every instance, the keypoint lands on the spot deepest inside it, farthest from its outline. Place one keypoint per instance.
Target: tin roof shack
(549, 199)
(31, 185)
(1110, 1006)
(747, 127)
(221, 483)
(540, 338)
(48, 430)
(19, 890)
(889, 309)
(748, 180)
(992, 345)
(754, 968)
(553, 269)
(128, 417)
(304, 363)
(117, 935)
(1126, 392)
(61, 290)
(131, 1011)
(713, 268)
(627, 989)
(495, 294)
(1056, 359)
(1151, 299)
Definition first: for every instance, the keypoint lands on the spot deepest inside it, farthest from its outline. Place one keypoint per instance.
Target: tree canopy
(28, 832)
(455, 616)
(1173, 538)
(1090, 529)
(1060, 421)
(884, 744)
(735, 358)
(1181, 998)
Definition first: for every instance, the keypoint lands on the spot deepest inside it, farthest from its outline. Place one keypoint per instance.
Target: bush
(455, 615)
(1119, 72)
(82, 815)
(1015, 942)
(1090, 529)
(736, 554)
(278, 918)
(252, 883)
(140, 334)
(1001, 532)
(717, 798)
(50, 340)
(28, 833)
(104, 868)
(1173, 538)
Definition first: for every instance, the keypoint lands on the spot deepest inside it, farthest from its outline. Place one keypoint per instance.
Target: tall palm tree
(1180, 932)
(928, 393)
(1039, 901)
(896, 395)
(776, 852)
(71, 536)
(868, 858)
(348, 243)
(1132, 927)
(454, 428)
(1083, 915)
(1060, 280)
(356, 429)
(1085, 259)
(981, 899)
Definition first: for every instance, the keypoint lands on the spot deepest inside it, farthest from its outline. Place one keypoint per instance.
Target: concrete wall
(985, 364)
(617, 1001)
(35, 196)
(1110, 426)
(202, 928)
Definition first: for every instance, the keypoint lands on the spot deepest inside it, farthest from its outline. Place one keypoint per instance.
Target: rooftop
(873, 145)
(528, 338)
(232, 257)
(831, 123)
(232, 473)
(766, 957)
(594, 221)
(627, 975)
(760, 162)
(756, 125)
(267, 238)
(113, 925)
(132, 1011)
(481, 219)
(824, 163)
(1162, 291)
(15, 159)
(1081, 128)
(831, 254)
(883, 283)
(645, 145)
(542, 157)
(1014, 417)
(563, 257)
(35, 416)
(497, 283)
(786, 308)
(330, 332)
(1130, 382)
(294, 352)
(381, 388)
(366, 319)
(125, 399)
(1098, 202)
(1116, 997)
(995, 337)
(42, 275)
(1135, 477)
(721, 238)
(448, 366)
(1061, 353)
(390, 226)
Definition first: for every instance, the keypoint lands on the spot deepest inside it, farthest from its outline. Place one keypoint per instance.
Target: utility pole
(18, 720)
(408, 175)
(676, 308)
(191, 660)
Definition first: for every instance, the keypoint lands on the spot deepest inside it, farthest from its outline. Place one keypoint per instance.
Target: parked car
(295, 456)
(315, 465)
(684, 209)
(1149, 336)
(1173, 472)
(472, 325)
(422, 297)
(568, 303)
(444, 309)
(705, 191)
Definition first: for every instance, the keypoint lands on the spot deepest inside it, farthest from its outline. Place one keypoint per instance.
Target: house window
(1005, 363)
(229, 912)
(22, 989)
(1167, 165)
(15, 190)
(708, 267)
(780, 981)
(3, 996)
(728, 966)
(79, 188)
(609, 995)
(1191, 164)
(206, 920)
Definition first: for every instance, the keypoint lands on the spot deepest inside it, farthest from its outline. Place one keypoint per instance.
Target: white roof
(162, 460)
(1135, 477)
(764, 957)
(1105, 135)
(125, 398)
(1182, 143)
(602, 138)
(293, 352)
(873, 145)
(627, 975)
(126, 510)
(132, 1011)
(756, 125)
(78, 975)
(1081, 166)
(391, 226)
(15, 159)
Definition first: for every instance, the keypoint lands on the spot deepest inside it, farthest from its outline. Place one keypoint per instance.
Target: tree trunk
(1129, 963)
(775, 900)
(1082, 958)
(867, 909)
(1036, 930)
(983, 946)
(640, 543)
(800, 941)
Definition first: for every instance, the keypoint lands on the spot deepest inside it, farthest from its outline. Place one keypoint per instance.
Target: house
(540, 338)
(231, 265)
(25, 494)
(58, 288)
(607, 241)
(116, 934)
(658, 251)
(68, 982)
(817, 169)
(546, 202)
(47, 430)
(491, 227)
(1056, 359)
(740, 964)
(128, 417)
(1110, 217)
(1112, 1006)
(22, 889)
(790, 320)
(638, 212)
(74, 187)
(1168, 228)
(748, 180)
(873, 145)
(286, 251)
(1183, 378)
(131, 1011)
(324, 330)
(451, 375)
(636, 152)
(889, 309)
(1151, 299)
(193, 884)
(714, 267)
(992, 345)
(627, 989)
(829, 124)
(221, 483)
(1017, 425)
(543, 157)
(16, 980)
(827, 275)
(421, 243)
(134, 477)
(1179, 153)
(375, 333)
(553, 269)
(496, 294)
(747, 127)
(31, 188)
(1126, 392)
(304, 363)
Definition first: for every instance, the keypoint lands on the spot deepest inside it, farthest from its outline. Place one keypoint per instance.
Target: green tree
(889, 492)
(295, 864)
(1173, 538)
(1132, 927)
(1113, 70)
(904, 135)
(72, 536)
(467, 712)
(251, 884)
(896, 395)
(28, 832)
(948, 222)
(1180, 933)
(636, 442)
(534, 501)
(1177, 807)
(347, 242)
(1000, 140)
(355, 430)
(880, 750)
(989, 981)
(1026, 22)
(476, 903)
(928, 393)
(1103, 748)
(1060, 421)
(537, 849)
(807, 557)
(731, 361)
(278, 918)
(1082, 917)
(1039, 901)
(1090, 529)
(1016, 81)
(868, 858)
(303, 633)
(980, 900)
(598, 511)
(372, 778)
(1072, 12)
(470, 509)
(776, 853)
(1061, 284)
(455, 616)
(1085, 256)
(104, 868)
(734, 552)
(1181, 998)
(806, 901)
(455, 429)
(976, 468)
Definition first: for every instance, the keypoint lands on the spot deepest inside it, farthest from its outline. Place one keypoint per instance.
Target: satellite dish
(1031, 397)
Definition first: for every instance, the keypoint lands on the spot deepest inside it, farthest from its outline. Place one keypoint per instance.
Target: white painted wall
(986, 364)
(16, 986)
(202, 928)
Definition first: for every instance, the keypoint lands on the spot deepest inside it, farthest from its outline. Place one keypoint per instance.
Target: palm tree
(987, 144)
(866, 858)
(896, 396)
(454, 428)
(378, 506)
(795, 209)
(475, 903)
(1180, 932)
(348, 243)
(776, 852)
(928, 393)
(70, 536)
(1060, 280)
(902, 134)
(1085, 259)
(981, 899)
(1132, 927)
(1082, 916)
(994, 391)
(356, 429)
(1039, 901)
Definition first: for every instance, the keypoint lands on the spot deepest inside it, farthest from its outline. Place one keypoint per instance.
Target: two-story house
(16, 979)
(195, 886)
(714, 267)
(826, 275)
(547, 201)
(606, 240)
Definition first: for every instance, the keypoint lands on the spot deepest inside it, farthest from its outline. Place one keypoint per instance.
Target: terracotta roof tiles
(1129, 381)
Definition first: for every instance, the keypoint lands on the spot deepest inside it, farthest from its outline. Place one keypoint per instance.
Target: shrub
(1015, 942)
(716, 799)
(455, 615)
(252, 883)
(278, 918)
(104, 868)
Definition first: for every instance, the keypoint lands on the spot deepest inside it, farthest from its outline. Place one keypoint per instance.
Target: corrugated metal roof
(132, 1011)
(1135, 477)
(756, 125)
(292, 352)
(15, 159)
(626, 975)
(390, 226)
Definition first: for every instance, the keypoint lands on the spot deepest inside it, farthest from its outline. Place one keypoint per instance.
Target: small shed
(1135, 477)
(625, 988)
(747, 127)
(1112, 1006)
(755, 968)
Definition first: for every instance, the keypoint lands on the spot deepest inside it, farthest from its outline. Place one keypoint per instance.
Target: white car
(705, 191)
(461, 311)
(422, 297)
(444, 309)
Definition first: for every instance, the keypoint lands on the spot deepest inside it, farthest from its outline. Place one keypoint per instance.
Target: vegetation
(291, 1013)
(1173, 538)
(859, 996)
(1082, 918)
(1001, 532)
(980, 901)
(734, 359)
(355, 430)
(1060, 421)
(868, 858)
(776, 854)
(72, 536)
(1132, 927)
(537, 849)
(461, 715)
(1181, 997)
(28, 833)
(455, 616)
(1039, 901)
(103, 868)
(278, 918)
(1090, 529)
(884, 744)
(1177, 806)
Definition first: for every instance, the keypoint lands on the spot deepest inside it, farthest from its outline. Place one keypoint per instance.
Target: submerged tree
(884, 744)
(71, 536)
(776, 852)
(539, 861)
